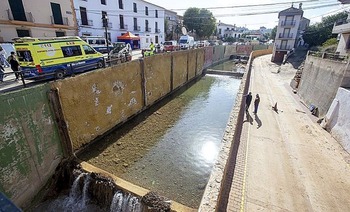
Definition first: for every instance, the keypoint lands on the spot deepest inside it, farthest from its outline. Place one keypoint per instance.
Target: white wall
(293, 30)
(338, 118)
(341, 48)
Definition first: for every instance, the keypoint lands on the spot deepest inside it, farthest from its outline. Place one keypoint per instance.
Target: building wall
(38, 19)
(94, 13)
(343, 40)
(337, 120)
(320, 81)
(30, 147)
(293, 31)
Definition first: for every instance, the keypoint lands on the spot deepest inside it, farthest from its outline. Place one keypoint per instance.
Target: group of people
(10, 62)
(248, 100)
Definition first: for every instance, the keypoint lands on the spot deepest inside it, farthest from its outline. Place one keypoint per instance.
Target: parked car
(171, 45)
(203, 43)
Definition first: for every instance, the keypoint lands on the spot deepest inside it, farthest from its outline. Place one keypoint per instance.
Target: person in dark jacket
(256, 103)
(14, 64)
(248, 100)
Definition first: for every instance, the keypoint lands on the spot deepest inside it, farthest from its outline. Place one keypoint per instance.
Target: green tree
(273, 33)
(201, 21)
(318, 33)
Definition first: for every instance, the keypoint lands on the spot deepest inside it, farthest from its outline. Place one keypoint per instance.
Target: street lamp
(105, 25)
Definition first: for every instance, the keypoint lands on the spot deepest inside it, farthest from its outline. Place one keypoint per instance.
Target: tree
(318, 33)
(200, 21)
(273, 33)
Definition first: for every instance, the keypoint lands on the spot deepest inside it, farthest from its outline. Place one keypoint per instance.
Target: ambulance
(47, 58)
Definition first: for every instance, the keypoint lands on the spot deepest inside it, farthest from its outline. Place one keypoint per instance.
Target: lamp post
(105, 25)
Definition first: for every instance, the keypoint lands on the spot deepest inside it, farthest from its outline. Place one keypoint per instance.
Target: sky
(240, 17)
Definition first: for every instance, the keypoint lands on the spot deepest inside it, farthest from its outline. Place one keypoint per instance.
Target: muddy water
(172, 149)
(229, 66)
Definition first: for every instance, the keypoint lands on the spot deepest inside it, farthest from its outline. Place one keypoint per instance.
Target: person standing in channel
(256, 103)
(248, 100)
(14, 64)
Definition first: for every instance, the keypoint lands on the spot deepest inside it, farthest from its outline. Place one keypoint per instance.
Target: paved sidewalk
(286, 161)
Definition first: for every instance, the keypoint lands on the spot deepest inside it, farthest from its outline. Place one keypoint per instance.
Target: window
(135, 8)
(156, 13)
(70, 51)
(24, 56)
(156, 26)
(135, 24)
(121, 6)
(56, 13)
(23, 33)
(88, 50)
(83, 16)
(121, 21)
(103, 2)
(17, 10)
(60, 34)
(146, 10)
(146, 26)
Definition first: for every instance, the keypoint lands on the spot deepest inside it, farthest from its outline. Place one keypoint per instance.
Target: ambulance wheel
(59, 74)
(100, 64)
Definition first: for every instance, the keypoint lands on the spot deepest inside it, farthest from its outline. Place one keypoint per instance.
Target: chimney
(300, 6)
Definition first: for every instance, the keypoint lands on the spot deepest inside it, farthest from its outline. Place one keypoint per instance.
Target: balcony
(286, 36)
(341, 26)
(344, 1)
(283, 47)
(123, 27)
(157, 30)
(137, 28)
(27, 16)
(85, 22)
(147, 29)
(287, 23)
(109, 25)
(64, 21)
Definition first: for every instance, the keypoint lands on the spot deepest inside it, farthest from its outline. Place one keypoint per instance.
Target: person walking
(2, 71)
(248, 100)
(256, 103)
(14, 64)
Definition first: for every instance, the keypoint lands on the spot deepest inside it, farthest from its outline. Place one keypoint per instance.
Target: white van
(186, 42)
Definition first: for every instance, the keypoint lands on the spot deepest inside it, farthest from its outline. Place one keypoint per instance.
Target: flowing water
(229, 66)
(172, 150)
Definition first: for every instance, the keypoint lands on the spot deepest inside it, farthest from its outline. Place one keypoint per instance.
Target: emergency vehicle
(46, 58)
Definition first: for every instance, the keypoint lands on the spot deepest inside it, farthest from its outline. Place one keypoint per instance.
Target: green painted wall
(30, 148)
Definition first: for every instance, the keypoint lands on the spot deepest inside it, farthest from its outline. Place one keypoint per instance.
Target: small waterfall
(78, 198)
(125, 203)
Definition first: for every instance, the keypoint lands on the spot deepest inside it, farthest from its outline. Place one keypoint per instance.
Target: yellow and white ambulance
(46, 58)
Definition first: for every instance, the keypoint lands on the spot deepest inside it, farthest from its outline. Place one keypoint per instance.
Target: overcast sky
(238, 15)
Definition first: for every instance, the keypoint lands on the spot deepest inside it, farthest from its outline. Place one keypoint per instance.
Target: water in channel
(172, 149)
(230, 66)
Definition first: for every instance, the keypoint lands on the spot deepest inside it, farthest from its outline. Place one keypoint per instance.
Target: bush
(330, 42)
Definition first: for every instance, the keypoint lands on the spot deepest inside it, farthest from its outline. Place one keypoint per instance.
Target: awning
(128, 36)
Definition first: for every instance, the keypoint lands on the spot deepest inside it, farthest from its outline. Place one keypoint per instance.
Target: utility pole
(105, 24)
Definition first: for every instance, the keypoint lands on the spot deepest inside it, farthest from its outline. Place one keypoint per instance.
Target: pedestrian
(2, 71)
(256, 103)
(248, 100)
(152, 47)
(3, 58)
(14, 64)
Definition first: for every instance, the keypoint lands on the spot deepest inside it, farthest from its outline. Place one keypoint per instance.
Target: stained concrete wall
(192, 57)
(337, 120)
(157, 77)
(95, 102)
(200, 61)
(30, 148)
(208, 56)
(218, 53)
(244, 49)
(320, 81)
(230, 50)
(179, 68)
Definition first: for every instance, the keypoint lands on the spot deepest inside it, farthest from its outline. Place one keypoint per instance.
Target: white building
(227, 30)
(36, 18)
(139, 17)
(288, 31)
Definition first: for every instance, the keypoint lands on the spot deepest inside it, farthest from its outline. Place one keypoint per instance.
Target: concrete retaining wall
(192, 57)
(94, 102)
(230, 50)
(218, 53)
(208, 56)
(320, 81)
(200, 61)
(337, 120)
(179, 68)
(30, 148)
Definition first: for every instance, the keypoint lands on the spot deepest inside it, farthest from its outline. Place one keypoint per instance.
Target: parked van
(98, 43)
(45, 58)
(186, 42)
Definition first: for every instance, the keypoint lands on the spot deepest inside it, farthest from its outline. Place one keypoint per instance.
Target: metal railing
(157, 30)
(330, 56)
(64, 21)
(28, 16)
(282, 35)
(341, 22)
(147, 29)
(137, 28)
(88, 23)
(288, 23)
(123, 27)
(283, 47)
